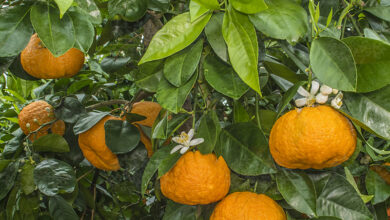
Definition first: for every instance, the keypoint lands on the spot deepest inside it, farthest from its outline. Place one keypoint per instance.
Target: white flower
(321, 98)
(326, 90)
(185, 142)
(335, 91)
(309, 98)
(337, 101)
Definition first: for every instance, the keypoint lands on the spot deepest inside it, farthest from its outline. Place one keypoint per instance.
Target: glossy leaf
(196, 10)
(84, 30)
(371, 58)
(371, 110)
(130, 10)
(4, 164)
(172, 98)
(63, 5)
(51, 143)
(223, 78)
(243, 48)
(239, 113)
(165, 128)
(159, 5)
(339, 199)
(351, 180)
(288, 96)
(209, 129)
(213, 31)
(70, 110)
(126, 192)
(282, 71)
(27, 178)
(211, 4)
(175, 211)
(7, 178)
(60, 209)
(377, 186)
(267, 120)
(298, 191)
(176, 35)
(249, 6)
(15, 30)
(245, 149)
(87, 121)
(53, 176)
(149, 75)
(121, 136)
(179, 68)
(56, 34)
(91, 10)
(380, 11)
(283, 19)
(332, 62)
(168, 163)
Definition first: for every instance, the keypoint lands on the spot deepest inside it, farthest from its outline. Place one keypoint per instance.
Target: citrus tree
(200, 109)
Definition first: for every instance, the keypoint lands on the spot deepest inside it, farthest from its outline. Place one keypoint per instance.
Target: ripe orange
(196, 179)
(93, 145)
(312, 137)
(36, 114)
(247, 205)
(39, 62)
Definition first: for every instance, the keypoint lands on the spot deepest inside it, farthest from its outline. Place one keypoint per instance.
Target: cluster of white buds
(310, 98)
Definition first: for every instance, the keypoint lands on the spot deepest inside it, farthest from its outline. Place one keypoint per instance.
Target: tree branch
(107, 103)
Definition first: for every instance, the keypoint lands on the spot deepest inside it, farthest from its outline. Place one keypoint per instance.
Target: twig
(82, 176)
(107, 103)
(93, 187)
(40, 127)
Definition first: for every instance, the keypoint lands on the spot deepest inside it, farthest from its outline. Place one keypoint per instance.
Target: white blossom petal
(303, 92)
(183, 150)
(336, 103)
(196, 141)
(177, 140)
(191, 134)
(315, 86)
(335, 91)
(326, 90)
(321, 98)
(176, 148)
(301, 102)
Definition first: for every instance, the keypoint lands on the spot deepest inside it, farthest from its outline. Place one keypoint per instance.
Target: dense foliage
(228, 69)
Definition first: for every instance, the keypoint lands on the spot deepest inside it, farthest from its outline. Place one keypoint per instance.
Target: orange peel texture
(312, 137)
(196, 179)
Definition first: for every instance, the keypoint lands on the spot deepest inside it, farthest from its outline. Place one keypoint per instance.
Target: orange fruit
(93, 145)
(196, 179)
(247, 206)
(312, 137)
(36, 114)
(150, 110)
(39, 62)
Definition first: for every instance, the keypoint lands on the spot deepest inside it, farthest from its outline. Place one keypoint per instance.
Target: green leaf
(159, 5)
(376, 186)
(339, 199)
(179, 68)
(51, 143)
(60, 209)
(91, 10)
(20, 206)
(197, 10)
(63, 5)
(245, 149)
(175, 211)
(239, 113)
(282, 71)
(267, 120)
(283, 19)
(240, 37)
(53, 176)
(132, 117)
(7, 178)
(298, 190)
(372, 62)
(168, 163)
(249, 6)
(15, 30)
(213, 31)
(88, 120)
(84, 30)
(209, 129)
(288, 96)
(152, 166)
(4, 164)
(126, 191)
(176, 35)
(371, 110)
(223, 78)
(27, 178)
(210, 4)
(56, 34)
(121, 136)
(351, 180)
(130, 10)
(380, 11)
(172, 98)
(165, 128)
(78, 85)
(149, 76)
(69, 110)
(332, 62)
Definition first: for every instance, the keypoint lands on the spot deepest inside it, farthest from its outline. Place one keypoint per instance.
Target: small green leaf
(27, 178)
(121, 136)
(91, 10)
(176, 35)
(197, 10)
(51, 143)
(288, 96)
(377, 186)
(243, 48)
(179, 68)
(63, 5)
(249, 6)
(149, 75)
(351, 180)
(282, 71)
(239, 113)
(87, 121)
(69, 110)
(210, 4)
(132, 117)
(126, 191)
(209, 129)
(168, 163)
(7, 178)
(380, 11)
(4, 164)
(84, 30)
(53, 176)
(130, 10)
(165, 128)
(60, 209)
(175, 211)
(56, 34)
(213, 31)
